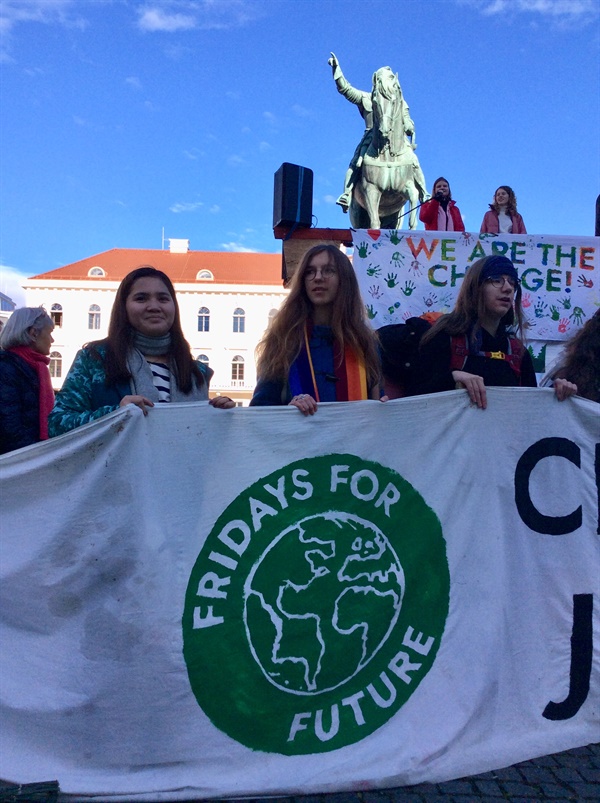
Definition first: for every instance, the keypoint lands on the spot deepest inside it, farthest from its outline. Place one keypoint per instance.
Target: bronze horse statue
(390, 174)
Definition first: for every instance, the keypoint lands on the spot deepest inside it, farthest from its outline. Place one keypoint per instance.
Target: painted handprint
(363, 250)
(585, 282)
(577, 315)
(526, 301)
(554, 313)
(394, 307)
(540, 309)
(430, 300)
(391, 279)
(373, 270)
(563, 325)
(408, 288)
(566, 302)
(397, 259)
(371, 313)
(374, 291)
(416, 266)
(394, 239)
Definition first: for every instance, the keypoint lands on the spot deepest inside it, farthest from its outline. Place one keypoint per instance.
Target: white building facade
(226, 301)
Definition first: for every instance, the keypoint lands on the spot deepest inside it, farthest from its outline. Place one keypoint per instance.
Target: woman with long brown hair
(144, 360)
(479, 344)
(581, 360)
(319, 346)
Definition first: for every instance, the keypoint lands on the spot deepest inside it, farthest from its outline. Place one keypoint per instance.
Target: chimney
(179, 246)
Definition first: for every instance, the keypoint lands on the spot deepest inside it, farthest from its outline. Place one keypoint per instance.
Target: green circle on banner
(316, 606)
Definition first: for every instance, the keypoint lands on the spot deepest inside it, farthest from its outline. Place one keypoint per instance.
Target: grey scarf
(141, 382)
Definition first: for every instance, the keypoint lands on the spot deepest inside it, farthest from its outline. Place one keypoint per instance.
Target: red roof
(226, 267)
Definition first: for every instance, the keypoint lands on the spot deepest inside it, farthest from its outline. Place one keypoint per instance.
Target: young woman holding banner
(319, 346)
(478, 344)
(144, 360)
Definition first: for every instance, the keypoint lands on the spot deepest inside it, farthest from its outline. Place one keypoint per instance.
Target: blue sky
(121, 117)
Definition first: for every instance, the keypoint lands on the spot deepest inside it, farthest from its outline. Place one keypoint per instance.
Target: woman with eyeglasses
(319, 347)
(478, 344)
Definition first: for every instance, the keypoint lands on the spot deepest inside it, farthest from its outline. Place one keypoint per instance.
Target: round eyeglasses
(498, 281)
(326, 273)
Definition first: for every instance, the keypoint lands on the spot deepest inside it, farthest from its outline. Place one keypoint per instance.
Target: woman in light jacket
(503, 217)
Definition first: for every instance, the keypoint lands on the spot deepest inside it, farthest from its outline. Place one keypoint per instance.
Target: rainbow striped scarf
(350, 373)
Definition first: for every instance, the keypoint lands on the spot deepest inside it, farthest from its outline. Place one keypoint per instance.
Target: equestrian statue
(384, 173)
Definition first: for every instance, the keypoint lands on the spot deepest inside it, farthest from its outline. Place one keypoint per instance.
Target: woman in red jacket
(503, 217)
(441, 213)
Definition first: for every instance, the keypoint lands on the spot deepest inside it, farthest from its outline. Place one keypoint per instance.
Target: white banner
(205, 603)
(405, 274)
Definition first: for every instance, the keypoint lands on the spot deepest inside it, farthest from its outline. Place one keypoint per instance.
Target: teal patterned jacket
(85, 396)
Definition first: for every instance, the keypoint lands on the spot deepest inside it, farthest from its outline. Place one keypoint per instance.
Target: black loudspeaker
(292, 198)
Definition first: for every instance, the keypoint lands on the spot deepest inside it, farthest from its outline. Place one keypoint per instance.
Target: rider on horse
(364, 102)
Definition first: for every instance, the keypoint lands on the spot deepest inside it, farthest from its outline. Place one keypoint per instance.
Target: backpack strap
(460, 352)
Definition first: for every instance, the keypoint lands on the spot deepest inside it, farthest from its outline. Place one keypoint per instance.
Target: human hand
(222, 402)
(563, 389)
(474, 386)
(140, 401)
(305, 403)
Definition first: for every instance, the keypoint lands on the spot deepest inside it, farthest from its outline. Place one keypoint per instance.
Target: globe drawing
(321, 600)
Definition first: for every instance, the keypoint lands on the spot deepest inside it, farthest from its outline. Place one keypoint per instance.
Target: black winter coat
(19, 403)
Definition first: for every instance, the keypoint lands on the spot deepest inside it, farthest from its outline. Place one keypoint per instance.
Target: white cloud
(193, 153)
(185, 206)
(134, 82)
(329, 199)
(560, 11)
(238, 248)
(169, 16)
(155, 19)
(234, 160)
(215, 209)
(11, 280)
(14, 13)
(300, 111)
(264, 147)
(270, 118)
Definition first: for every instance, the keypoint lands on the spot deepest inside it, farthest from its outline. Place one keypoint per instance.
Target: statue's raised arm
(355, 96)
(365, 106)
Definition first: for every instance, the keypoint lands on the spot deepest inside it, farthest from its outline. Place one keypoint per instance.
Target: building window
(56, 315)
(204, 274)
(94, 317)
(239, 320)
(55, 364)
(237, 370)
(203, 319)
(96, 272)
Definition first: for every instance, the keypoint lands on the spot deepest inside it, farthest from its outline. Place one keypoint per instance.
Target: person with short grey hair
(26, 395)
